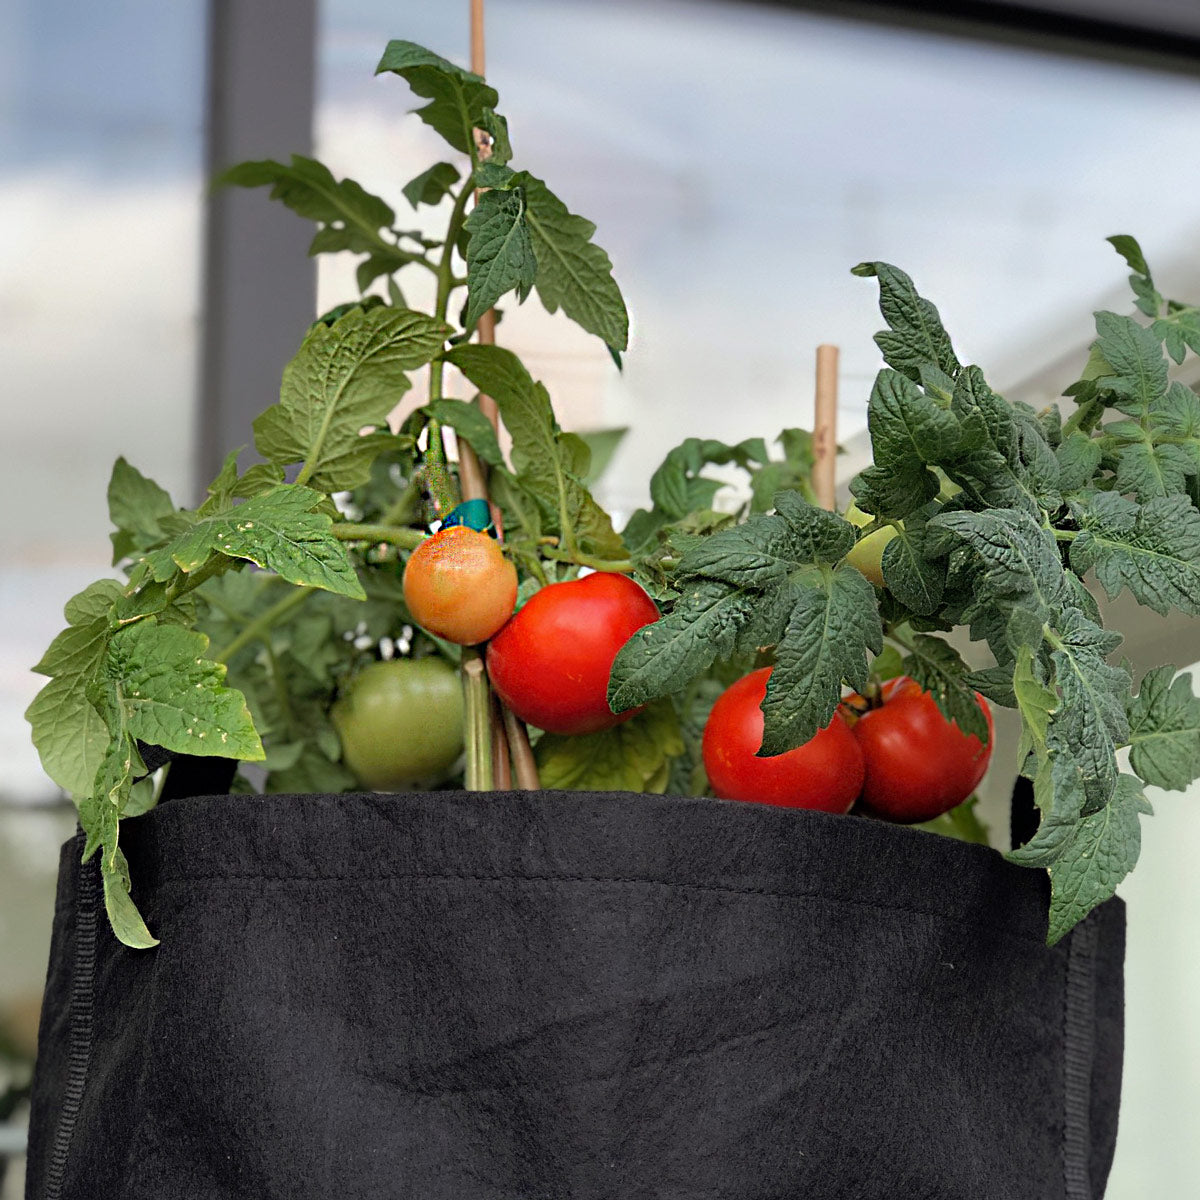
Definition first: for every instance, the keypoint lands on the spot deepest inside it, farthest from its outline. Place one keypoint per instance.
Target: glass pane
(100, 205)
(738, 160)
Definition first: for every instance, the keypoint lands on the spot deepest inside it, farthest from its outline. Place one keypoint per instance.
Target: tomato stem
(478, 775)
(622, 566)
(394, 535)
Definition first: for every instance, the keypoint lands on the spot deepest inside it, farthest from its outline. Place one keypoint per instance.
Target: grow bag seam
(457, 877)
(1079, 1023)
(79, 1052)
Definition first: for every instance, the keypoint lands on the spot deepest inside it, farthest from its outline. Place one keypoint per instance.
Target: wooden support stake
(512, 754)
(824, 476)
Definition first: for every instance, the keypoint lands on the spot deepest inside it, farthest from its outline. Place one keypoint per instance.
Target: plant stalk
(479, 777)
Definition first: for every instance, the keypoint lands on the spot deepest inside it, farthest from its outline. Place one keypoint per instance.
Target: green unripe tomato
(401, 723)
(867, 554)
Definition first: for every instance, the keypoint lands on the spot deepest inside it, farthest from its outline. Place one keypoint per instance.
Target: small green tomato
(400, 723)
(867, 554)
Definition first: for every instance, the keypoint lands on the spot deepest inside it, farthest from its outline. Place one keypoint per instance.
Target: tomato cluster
(899, 758)
(895, 755)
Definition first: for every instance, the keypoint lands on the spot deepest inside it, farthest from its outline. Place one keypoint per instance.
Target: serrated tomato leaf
(1152, 549)
(500, 256)
(458, 100)
(832, 632)
(345, 378)
(1103, 849)
(667, 654)
(278, 531)
(1164, 730)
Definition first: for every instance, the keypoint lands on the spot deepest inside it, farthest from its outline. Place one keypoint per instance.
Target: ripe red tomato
(825, 773)
(919, 765)
(459, 586)
(550, 664)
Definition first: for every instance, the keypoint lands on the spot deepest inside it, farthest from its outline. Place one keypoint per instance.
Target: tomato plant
(400, 722)
(550, 664)
(238, 616)
(918, 764)
(825, 773)
(459, 586)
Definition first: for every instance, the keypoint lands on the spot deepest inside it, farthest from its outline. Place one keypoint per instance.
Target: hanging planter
(608, 981)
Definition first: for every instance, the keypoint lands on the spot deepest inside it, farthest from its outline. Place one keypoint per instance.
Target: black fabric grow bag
(570, 996)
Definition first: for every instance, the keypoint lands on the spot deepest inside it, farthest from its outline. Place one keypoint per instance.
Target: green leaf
(1152, 549)
(667, 654)
(345, 378)
(1090, 722)
(169, 695)
(909, 431)
(458, 99)
(916, 336)
(496, 127)
(470, 424)
(1135, 356)
(1148, 298)
(430, 187)
(937, 667)
(603, 445)
(500, 256)
(542, 462)
(1004, 460)
(792, 473)
(634, 756)
(136, 506)
(1078, 461)
(1103, 850)
(375, 265)
(573, 273)
(1036, 703)
(832, 633)
(1058, 793)
(69, 734)
(278, 531)
(126, 921)
(1174, 419)
(912, 573)
(962, 823)
(765, 550)
(678, 488)
(353, 216)
(1164, 730)
(1148, 470)
(1018, 560)
(491, 174)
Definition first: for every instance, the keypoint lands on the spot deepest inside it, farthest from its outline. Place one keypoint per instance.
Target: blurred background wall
(738, 159)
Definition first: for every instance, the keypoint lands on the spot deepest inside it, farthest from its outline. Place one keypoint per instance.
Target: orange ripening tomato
(459, 586)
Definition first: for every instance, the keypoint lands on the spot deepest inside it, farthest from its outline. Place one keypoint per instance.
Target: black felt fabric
(570, 996)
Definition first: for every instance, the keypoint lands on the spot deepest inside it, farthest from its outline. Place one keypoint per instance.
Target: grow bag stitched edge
(79, 1052)
(1079, 1029)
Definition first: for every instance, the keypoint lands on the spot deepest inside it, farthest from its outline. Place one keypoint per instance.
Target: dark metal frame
(259, 285)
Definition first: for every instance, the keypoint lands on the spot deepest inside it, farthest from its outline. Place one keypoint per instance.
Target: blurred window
(100, 209)
(740, 159)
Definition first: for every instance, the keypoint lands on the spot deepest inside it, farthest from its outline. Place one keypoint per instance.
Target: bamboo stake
(511, 752)
(824, 476)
